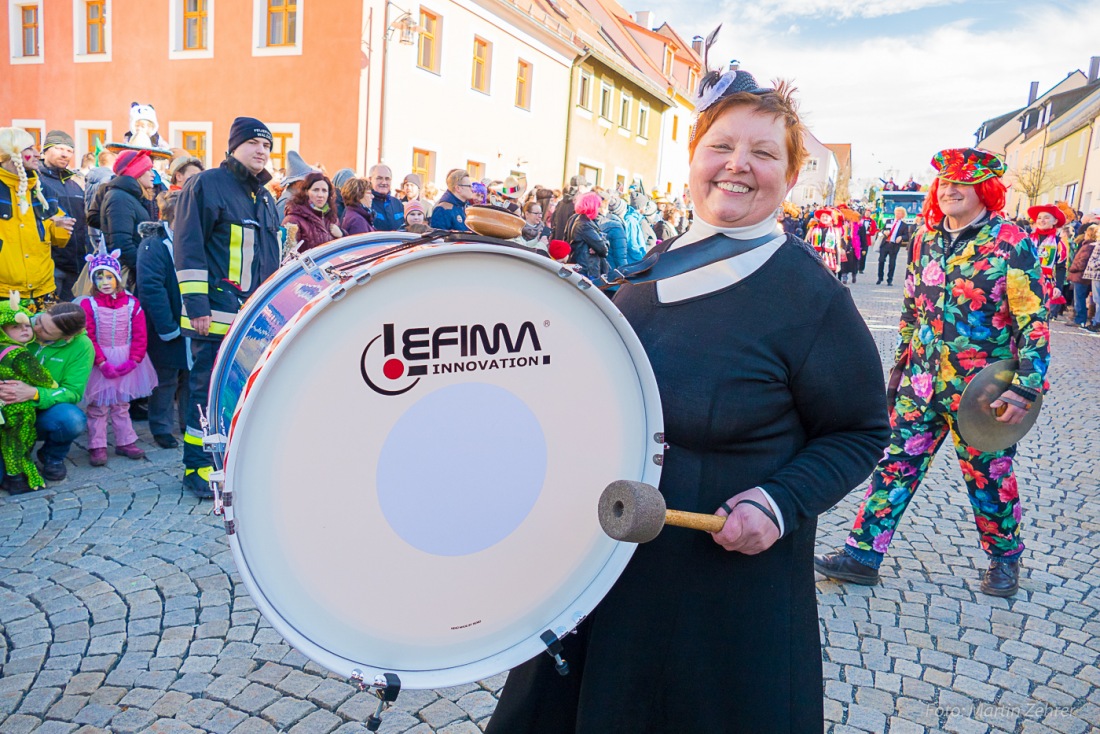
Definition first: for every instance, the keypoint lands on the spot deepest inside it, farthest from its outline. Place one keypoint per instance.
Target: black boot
(1001, 578)
(842, 567)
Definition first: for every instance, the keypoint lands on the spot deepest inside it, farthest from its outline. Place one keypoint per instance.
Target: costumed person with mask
(719, 633)
(827, 237)
(116, 326)
(1048, 219)
(18, 433)
(226, 243)
(973, 296)
(27, 231)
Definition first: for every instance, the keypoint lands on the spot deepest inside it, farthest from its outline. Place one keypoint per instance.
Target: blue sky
(900, 79)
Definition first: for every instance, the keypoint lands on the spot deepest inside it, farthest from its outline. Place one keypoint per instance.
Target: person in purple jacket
(358, 217)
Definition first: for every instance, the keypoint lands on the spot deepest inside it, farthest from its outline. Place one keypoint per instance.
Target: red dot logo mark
(393, 369)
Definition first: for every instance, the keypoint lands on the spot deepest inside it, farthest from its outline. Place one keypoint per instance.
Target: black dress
(773, 381)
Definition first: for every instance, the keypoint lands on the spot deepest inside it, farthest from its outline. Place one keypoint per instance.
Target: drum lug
(230, 527)
(386, 686)
(314, 270)
(554, 649)
(339, 291)
(221, 499)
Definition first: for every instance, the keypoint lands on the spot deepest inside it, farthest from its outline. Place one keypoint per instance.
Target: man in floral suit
(973, 296)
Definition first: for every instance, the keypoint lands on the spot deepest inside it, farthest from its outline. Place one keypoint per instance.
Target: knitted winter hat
(413, 205)
(13, 141)
(245, 129)
(102, 260)
(133, 163)
(616, 206)
(559, 249)
(58, 137)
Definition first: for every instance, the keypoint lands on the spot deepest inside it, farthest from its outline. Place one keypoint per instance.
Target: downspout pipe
(573, 73)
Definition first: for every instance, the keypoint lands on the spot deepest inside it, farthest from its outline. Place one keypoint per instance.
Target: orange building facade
(77, 65)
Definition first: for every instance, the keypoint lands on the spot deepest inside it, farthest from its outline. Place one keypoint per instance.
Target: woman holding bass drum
(774, 409)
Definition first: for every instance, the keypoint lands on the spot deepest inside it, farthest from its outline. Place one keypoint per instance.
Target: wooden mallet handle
(695, 520)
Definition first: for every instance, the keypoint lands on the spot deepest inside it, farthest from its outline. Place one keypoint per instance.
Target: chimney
(734, 64)
(1094, 69)
(1033, 94)
(697, 45)
(644, 18)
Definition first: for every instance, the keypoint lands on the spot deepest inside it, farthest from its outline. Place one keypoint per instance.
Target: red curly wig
(991, 193)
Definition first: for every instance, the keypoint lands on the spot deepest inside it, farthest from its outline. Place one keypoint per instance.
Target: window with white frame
(810, 166)
(88, 133)
(607, 92)
(277, 27)
(194, 137)
(643, 121)
(25, 36)
(1071, 192)
(584, 90)
(91, 31)
(625, 104)
(285, 137)
(191, 29)
(37, 128)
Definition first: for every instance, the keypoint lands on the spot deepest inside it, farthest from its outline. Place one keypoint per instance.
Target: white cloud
(898, 100)
(768, 10)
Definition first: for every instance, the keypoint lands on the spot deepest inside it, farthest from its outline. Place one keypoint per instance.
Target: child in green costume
(18, 433)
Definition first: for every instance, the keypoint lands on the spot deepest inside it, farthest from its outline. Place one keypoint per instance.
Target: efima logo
(394, 362)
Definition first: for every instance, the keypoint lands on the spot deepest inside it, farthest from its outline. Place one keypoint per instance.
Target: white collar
(722, 274)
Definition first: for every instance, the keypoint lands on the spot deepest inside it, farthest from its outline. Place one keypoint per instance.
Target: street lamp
(406, 26)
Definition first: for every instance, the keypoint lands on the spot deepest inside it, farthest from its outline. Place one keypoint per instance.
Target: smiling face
(738, 174)
(31, 157)
(318, 195)
(381, 178)
(959, 203)
(1045, 221)
(105, 282)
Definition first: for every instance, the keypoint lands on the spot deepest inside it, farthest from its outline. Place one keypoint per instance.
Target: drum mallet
(635, 512)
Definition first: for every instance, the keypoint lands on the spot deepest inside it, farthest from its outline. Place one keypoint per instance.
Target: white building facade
(817, 179)
(483, 86)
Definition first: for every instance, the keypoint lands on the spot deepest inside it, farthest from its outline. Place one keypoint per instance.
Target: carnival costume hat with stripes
(102, 260)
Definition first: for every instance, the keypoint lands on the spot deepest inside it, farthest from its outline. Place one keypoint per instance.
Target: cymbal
(977, 423)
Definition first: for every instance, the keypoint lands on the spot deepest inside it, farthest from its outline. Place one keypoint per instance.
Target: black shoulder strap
(659, 265)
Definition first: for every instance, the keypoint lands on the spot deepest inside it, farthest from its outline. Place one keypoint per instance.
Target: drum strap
(670, 263)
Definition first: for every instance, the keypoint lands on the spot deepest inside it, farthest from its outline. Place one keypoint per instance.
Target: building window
(476, 170)
(584, 91)
(191, 29)
(523, 85)
(36, 128)
(423, 164)
(483, 59)
(281, 144)
(28, 15)
(643, 122)
(591, 174)
(25, 32)
(282, 20)
(95, 26)
(194, 142)
(692, 79)
(1071, 193)
(94, 139)
(276, 27)
(194, 25)
(624, 110)
(810, 166)
(606, 93)
(675, 127)
(669, 56)
(428, 51)
(91, 31)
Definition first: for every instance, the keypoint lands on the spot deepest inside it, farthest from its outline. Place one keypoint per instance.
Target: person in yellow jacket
(27, 231)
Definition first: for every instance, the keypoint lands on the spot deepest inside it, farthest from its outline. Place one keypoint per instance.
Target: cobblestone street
(121, 609)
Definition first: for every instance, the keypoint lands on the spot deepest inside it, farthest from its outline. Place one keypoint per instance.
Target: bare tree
(1034, 181)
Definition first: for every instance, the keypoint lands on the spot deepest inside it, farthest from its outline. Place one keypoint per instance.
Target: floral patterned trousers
(914, 439)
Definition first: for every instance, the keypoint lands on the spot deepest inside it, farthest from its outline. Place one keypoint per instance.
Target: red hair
(991, 193)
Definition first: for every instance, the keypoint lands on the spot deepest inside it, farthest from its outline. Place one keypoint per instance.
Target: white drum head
(434, 525)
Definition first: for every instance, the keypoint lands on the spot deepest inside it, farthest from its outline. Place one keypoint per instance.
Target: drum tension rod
(386, 686)
(554, 649)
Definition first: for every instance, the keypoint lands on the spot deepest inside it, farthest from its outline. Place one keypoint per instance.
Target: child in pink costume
(116, 326)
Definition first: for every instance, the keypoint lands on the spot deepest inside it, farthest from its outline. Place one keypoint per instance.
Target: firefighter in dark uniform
(226, 245)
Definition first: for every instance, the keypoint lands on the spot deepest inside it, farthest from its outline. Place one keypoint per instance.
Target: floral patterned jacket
(968, 306)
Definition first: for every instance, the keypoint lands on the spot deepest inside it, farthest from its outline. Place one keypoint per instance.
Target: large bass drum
(416, 438)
